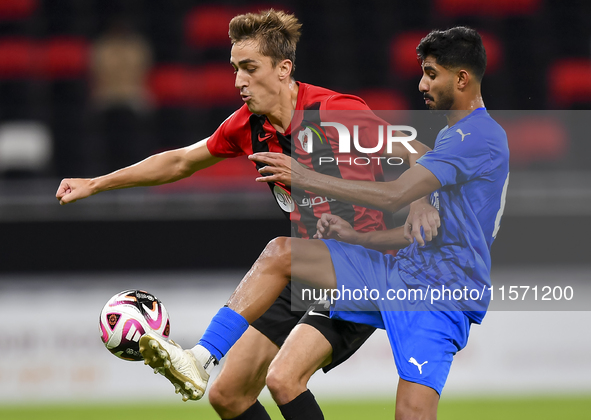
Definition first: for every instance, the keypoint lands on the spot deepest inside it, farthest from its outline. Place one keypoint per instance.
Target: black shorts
(344, 337)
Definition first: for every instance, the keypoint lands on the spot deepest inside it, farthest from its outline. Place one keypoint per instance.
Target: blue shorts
(423, 341)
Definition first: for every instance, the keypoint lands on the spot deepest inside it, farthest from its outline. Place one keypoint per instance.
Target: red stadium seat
(202, 87)
(570, 82)
(383, 99)
(536, 139)
(213, 85)
(17, 9)
(494, 51)
(403, 54)
(57, 58)
(64, 58)
(207, 26)
(18, 56)
(169, 84)
(494, 8)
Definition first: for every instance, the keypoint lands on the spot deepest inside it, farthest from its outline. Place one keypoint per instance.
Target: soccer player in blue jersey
(466, 175)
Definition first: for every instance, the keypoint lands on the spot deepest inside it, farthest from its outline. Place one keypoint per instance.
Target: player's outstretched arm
(402, 151)
(330, 226)
(158, 169)
(415, 183)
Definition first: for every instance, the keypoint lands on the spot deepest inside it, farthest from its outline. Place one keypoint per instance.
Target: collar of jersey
(476, 111)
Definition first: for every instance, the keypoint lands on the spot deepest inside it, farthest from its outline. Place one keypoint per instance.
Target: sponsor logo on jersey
(315, 201)
(306, 136)
(462, 134)
(284, 199)
(265, 137)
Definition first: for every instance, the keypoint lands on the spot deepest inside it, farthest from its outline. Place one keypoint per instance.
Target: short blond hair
(276, 32)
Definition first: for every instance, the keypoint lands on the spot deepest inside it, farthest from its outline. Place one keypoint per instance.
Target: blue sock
(226, 327)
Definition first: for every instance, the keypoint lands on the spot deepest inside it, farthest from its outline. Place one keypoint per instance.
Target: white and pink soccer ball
(126, 317)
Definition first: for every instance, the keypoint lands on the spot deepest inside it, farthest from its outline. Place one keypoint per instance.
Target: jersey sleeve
(225, 141)
(355, 112)
(458, 157)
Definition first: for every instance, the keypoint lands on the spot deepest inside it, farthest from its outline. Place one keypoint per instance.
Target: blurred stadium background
(89, 86)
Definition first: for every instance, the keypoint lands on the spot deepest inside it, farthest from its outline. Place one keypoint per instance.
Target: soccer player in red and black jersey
(284, 347)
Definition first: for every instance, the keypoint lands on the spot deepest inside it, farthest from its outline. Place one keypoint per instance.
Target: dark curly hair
(454, 48)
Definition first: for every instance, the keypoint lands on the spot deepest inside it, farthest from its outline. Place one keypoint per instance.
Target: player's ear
(463, 78)
(285, 67)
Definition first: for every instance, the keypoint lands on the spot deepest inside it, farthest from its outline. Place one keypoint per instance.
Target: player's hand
(279, 168)
(74, 189)
(330, 226)
(421, 214)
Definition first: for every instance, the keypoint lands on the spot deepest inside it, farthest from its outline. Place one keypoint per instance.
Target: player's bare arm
(398, 149)
(158, 169)
(421, 214)
(415, 183)
(331, 226)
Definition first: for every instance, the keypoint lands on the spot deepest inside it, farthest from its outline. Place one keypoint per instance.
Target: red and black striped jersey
(244, 133)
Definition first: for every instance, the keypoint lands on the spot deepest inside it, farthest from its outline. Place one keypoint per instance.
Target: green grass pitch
(538, 408)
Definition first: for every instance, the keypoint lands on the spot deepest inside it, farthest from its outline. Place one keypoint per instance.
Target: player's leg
(424, 344)
(415, 401)
(304, 352)
(242, 377)
(308, 260)
(236, 389)
(284, 259)
(317, 342)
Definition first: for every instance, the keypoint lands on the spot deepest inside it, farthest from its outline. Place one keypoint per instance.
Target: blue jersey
(471, 160)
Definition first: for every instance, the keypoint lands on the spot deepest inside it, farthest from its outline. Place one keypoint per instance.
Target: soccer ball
(126, 317)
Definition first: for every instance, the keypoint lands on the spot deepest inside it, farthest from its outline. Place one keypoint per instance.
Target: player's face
(437, 85)
(256, 77)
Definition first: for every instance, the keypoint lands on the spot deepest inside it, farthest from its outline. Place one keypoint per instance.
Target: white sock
(204, 357)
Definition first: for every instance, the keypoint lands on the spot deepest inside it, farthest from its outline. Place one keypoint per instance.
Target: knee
(279, 247)
(283, 385)
(222, 400)
(278, 252)
(415, 401)
(217, 397)
(413, 412)
(279, 385)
